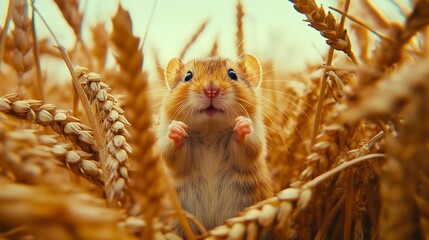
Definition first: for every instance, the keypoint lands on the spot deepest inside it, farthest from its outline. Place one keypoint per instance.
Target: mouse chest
(210, 192)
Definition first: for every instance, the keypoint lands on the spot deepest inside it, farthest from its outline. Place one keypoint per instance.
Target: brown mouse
(212, 136)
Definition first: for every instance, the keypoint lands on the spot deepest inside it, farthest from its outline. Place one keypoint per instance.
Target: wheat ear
(70, 11)
(256, 220)
(239, 34)
(23, 52)
(336, 36)
(23, 149)
(5, 28)
(389, 50)
(60, 212)
(114, 125)
(193, 38)
(61, 121)
(150, 188)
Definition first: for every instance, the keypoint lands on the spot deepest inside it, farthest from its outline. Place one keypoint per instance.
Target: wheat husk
(114, 124)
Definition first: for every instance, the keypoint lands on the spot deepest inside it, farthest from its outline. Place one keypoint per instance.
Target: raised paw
(177, 132)
(243, 127)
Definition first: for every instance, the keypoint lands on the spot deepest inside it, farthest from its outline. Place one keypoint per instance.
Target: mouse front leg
(177, 132)
(173, 145)
(247, 145)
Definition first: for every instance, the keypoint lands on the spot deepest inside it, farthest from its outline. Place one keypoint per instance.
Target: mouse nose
(211, 91)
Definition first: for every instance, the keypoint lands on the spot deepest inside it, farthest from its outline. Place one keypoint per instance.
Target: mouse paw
(177, 132)
(243, 127)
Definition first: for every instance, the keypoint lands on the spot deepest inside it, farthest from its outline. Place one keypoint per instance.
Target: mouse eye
(232, 74)
(188, 76)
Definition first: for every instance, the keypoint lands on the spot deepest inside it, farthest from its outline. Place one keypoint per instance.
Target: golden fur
(215, 175)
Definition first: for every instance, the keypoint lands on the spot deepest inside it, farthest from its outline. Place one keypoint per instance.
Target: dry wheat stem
(322, 92)
(359, 22)
(86, 105)
(39, 84)
(152, 13)
(316, 181)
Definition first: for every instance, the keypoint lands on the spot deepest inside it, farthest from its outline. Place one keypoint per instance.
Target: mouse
(212, 136)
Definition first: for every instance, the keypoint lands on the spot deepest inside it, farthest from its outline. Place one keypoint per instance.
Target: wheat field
(348, 138)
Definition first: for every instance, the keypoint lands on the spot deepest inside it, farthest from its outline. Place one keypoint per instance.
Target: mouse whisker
(228, 107)
(179, 109)
(243, 108)
(290, 101)
(282, 113)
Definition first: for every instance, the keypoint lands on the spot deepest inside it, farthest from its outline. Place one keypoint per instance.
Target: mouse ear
(251, 66)
(171, 71)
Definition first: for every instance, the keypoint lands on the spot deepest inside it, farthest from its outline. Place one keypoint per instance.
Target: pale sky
(273, 29)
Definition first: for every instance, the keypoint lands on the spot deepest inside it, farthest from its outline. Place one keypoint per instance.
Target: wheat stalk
(39, 83)
(337, 39)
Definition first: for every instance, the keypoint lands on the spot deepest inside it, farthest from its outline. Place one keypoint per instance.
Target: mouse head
(212, 88)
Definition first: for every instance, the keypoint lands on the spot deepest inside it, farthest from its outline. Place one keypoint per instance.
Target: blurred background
(267, 25)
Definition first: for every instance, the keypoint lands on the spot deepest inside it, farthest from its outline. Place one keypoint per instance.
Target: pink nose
(211, 91)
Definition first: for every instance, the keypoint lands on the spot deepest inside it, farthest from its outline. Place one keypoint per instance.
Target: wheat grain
(326, 24)
(58, 212)
(61, 121)
(115, 125)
